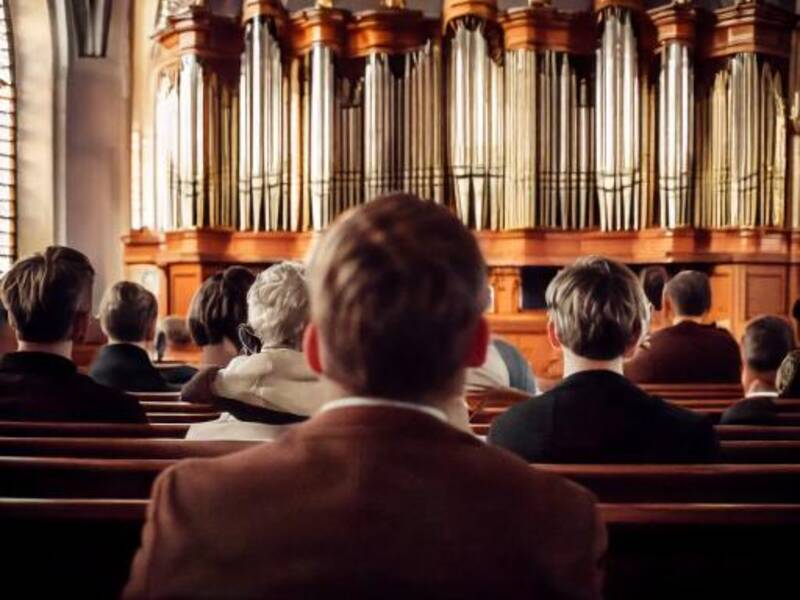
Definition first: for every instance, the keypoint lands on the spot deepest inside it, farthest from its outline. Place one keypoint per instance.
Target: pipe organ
(530, 118)
(661, 135)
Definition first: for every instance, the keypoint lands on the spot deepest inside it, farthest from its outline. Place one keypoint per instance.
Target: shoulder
(748, 411)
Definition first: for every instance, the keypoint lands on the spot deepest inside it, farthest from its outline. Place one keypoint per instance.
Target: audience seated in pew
(175, 343)
(766, 342)
(48, 298)
(690, 351)
(217, 310)
(274, 379)
(598, 314)
(653, 280)
(128, 315)
(376, 493)
(505, 367)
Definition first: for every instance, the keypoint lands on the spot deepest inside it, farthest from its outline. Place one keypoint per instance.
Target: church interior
(172, 142)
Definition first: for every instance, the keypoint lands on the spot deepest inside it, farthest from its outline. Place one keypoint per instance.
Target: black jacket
(756, 410)
(36, 386)
(127, 367)
(601, 417)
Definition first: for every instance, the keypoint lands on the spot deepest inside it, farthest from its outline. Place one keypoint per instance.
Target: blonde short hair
(127, 312)
(787, 380)
(44, 293)
(278, 305)
(598, 307)
(397, 290)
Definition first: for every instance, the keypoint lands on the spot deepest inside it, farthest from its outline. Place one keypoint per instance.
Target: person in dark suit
(598, 313)
(766, 342)
(374, 495)
(689, 351)
(128, 315)
(48, 298)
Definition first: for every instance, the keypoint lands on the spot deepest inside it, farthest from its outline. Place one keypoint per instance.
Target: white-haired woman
(272, 387)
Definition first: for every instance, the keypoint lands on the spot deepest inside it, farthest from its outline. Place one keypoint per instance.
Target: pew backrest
(64, 429)
(117, 448)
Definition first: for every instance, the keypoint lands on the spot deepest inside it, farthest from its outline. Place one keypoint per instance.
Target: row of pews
(73, 499)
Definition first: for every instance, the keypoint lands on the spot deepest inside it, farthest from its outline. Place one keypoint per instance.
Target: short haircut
(787, 381)
(44, 294)
(398, 287)
(653, 280)
(220, 306)
(690, 293)
(278, 305)
(127, 312)
(766, 342)
(598, 307)
(175, 330)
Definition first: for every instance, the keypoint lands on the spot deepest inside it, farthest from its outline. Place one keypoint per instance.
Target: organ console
(667, 135)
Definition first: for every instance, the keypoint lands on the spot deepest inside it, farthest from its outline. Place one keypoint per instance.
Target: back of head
(44, 294)
(220, 306)
(689, 293)
(175, 330)
(397, 292)
(787, 381)
(128, 312)
(598, 308)
(278, 305)
(766, 342)
(653, 280)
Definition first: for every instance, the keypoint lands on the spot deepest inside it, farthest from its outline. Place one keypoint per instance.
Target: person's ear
(479, 345)
(80, 325)
(311, 348)
(552, 335)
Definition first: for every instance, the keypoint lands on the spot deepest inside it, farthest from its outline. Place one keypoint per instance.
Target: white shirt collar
(762, 395)
(360, 401)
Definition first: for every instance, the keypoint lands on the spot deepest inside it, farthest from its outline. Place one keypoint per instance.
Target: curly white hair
(278, 305)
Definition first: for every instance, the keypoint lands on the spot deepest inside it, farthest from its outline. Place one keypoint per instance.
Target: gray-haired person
(271, 387)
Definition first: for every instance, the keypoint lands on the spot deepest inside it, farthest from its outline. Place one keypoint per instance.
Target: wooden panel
(722, 296)
(183, 283)
(765, 291)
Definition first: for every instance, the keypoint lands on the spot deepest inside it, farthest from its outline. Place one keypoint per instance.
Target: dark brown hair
(397, 289)
(766, 342)
(653, 280)
(45, 292)
(220, 306)
(128, 311)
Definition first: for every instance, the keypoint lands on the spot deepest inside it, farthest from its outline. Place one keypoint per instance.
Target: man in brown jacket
(691, 350)
(377, 495)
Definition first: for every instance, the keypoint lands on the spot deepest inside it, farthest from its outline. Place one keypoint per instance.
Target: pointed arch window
(8, 140)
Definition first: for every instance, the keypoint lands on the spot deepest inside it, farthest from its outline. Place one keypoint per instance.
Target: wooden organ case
(662, 136)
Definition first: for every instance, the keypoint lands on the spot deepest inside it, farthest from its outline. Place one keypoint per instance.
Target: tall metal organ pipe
(476, 89)
(676, 135)
(618, 126)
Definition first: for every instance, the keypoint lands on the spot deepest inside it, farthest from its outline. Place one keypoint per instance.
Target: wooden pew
(757, 432)
(686, 483)
(63, 429)
(170, 417)
(694, 391)
(655, 550)
(176, 407)
(759, 452)
(668, 551)
(117, 448)
(156, 396)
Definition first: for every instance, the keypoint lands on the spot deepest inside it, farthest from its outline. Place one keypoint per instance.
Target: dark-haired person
(598, 314)
(128, 315)
(689, 351)
(373, 496)
(653, 279)
(174, 342)
(766, 342)
(217, 310)
(48, 299)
